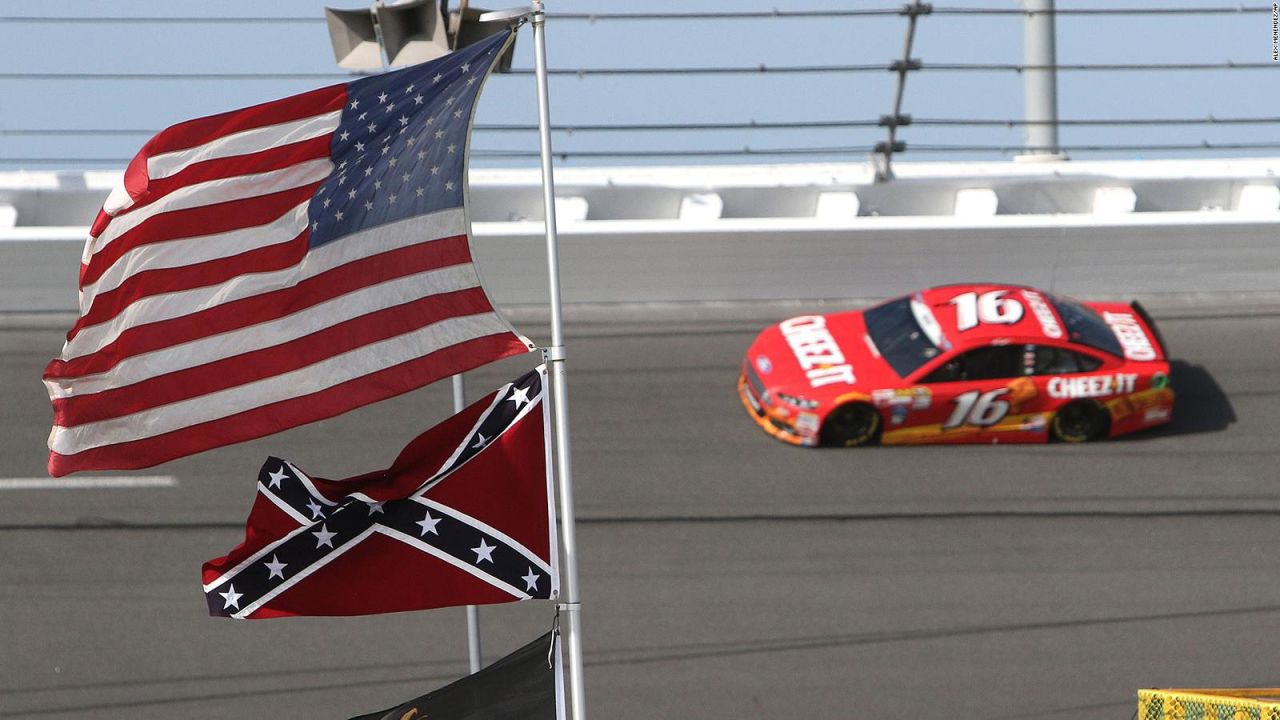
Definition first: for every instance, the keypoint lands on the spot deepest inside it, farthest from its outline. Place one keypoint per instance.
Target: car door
(978, 396)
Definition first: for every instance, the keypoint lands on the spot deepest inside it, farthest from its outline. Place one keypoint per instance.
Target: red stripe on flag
(290, 413)
(354, 275)
(267, 362)
(191, 133)
(99, 223)
(167, 280)
(209, 219)
(263, 161)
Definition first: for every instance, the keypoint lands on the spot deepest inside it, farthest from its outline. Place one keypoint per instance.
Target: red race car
(960, 363)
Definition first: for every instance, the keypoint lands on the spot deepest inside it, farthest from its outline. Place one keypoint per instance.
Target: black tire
(851, 425)
(1081, 422)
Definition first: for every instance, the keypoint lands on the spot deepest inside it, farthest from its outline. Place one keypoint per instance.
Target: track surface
(724, 575)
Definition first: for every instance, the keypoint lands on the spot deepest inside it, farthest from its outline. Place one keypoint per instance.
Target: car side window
(993, 363)
(1051, 360)
(950, 371)
(985, 363)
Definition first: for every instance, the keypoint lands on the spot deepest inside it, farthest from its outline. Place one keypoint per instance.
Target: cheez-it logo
(1092, 386)
(1136, 344)
(816, 350)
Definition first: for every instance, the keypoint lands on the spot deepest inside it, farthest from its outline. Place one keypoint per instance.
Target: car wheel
(851, 425)
(1081, 422)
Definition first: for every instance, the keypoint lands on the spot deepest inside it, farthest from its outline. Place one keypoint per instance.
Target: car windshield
(1085, 327)
(897, 334)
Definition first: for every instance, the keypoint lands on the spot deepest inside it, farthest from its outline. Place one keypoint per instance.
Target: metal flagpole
(473, 613)
(569, 606)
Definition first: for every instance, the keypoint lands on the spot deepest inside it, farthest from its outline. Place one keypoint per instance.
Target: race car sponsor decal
(1010, 425)
(764, 364)
(913, 398)
(1134, 340)
(1043, 313)
(1092, 386)
(807, 423)
(991, 308)
(1157, 414)
(978, 408)
(817, 351)
(1021, 391)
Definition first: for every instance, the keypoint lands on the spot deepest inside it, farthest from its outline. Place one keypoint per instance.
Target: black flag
(525, 685)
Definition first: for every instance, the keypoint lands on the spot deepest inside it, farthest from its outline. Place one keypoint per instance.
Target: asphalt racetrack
(724, 575)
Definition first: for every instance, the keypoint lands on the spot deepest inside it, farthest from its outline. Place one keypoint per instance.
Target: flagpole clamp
(554, 353)
(567, 606)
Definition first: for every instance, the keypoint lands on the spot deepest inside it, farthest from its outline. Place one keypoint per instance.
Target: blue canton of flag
(399, 149)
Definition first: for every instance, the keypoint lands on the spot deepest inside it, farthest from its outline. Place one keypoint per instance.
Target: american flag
(462, 517)
(277, 265)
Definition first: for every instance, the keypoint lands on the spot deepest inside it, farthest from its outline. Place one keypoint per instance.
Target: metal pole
(473, 613)
(913, 12)
(1040, 87)
(569, 606)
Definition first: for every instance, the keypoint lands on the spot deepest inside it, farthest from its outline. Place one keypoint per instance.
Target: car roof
(1034, 320)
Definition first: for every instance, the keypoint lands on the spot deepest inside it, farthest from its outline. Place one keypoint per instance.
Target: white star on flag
(484, 551)
(316, 510)
(324, 537)
(276, 477)
(375, 507)
(530, 581)
(428, 524)
(519, 396)
(481, 441)
(232, 597)
(276, 568)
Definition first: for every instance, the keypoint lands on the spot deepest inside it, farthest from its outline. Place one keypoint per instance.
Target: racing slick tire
(851, 425)
(1081, 422)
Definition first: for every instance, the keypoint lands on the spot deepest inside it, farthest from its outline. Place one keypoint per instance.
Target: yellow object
(1210, 704)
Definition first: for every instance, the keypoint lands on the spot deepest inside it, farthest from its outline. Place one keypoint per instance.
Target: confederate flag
(463, 516)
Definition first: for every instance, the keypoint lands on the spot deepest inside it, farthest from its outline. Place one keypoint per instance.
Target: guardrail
(831, 193)
(808, 232)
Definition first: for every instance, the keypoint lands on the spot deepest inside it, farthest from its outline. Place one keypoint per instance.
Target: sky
(36, 113)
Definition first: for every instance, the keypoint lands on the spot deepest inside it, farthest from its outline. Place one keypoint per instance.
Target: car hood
(820, 357)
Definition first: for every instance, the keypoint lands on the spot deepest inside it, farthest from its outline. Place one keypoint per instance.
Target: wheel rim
(1077, 423)
(852, 425)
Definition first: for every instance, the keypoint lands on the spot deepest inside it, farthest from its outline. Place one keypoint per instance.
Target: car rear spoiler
(1151, 326)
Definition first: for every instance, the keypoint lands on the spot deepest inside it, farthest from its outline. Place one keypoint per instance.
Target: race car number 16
(992, 308)
(978, 408)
